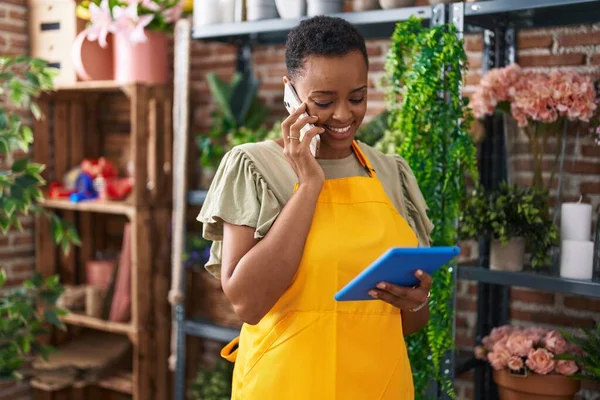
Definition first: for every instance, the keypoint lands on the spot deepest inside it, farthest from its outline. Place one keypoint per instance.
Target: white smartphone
(292, 101)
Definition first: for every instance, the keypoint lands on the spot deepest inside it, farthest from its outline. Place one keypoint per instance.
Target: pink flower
(101, 23)
(555, 342)
(515, 363)
(536, 334)
(129, 23)
(499, 358)
(540, 361)
(174, 13)
(566, 367)
(480, 353)
(150, 5)
(519, 344)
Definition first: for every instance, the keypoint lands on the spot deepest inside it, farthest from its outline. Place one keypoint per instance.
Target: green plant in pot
(25, 312)
(238, 119)
(515, 219)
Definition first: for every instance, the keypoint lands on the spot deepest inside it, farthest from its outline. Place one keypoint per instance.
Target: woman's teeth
(339, 130)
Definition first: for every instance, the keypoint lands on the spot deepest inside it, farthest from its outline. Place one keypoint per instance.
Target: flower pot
(387, 4)
(90, 60)
(99, 273)
(291, 9)
(440, 1)
(141, 62)
(509, 256)
(535, 387)
(365, 5)
(261, 9)
(207, 12)
(324, 7)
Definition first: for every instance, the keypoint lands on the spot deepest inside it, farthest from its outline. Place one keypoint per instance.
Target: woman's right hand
(298, 153)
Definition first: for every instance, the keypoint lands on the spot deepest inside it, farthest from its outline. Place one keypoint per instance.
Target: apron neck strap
(362, 158)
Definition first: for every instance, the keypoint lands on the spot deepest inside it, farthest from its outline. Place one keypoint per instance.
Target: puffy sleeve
(416, 207)
(238, 195)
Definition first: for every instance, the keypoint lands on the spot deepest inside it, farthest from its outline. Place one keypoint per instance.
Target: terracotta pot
(509, 256)
(389, 4)
(535, 387)
(144, 62)
(91, 61)
(99, 273)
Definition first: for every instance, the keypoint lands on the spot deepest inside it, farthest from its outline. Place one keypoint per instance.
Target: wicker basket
(214, 304)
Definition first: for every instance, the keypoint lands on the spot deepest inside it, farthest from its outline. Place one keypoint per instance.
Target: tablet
(397, 266)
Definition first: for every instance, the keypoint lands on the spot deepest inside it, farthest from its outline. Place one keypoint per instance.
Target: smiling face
(335, 90)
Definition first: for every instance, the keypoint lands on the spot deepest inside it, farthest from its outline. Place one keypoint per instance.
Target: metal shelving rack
(498, 22)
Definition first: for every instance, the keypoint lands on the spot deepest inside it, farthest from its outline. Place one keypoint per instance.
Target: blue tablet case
(397, 266)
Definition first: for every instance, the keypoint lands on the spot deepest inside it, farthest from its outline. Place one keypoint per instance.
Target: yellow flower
(83, 10)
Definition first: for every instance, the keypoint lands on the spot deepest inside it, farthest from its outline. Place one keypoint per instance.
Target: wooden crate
(122, 123)
(53, 27)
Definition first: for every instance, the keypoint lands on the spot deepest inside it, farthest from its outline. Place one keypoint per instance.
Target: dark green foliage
(374, 130)
(22, 79)
(511, 212)
(24, 313)
(213, 383)
(429, 127)
(589, 357)
(238, 119)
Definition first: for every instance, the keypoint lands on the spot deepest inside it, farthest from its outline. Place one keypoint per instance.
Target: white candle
(576, 221)
(577, 259)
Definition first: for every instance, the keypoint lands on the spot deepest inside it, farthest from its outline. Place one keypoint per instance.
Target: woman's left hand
(402, 297)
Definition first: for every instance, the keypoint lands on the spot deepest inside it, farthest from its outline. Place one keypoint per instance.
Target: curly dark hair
(321, 36)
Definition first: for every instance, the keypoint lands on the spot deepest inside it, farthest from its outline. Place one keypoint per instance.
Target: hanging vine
(429, 127)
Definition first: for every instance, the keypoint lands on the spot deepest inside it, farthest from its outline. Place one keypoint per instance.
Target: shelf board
(202, 328)
(98, 206)
(196, 197)
(121, 382)
(532, 280)
(530, 13)
(372, 24)
(86, 321)
(91, 86)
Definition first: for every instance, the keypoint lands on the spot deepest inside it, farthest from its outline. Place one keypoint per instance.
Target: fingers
(300, 123)
(425, 278)
(310, 134)
(416, 295)
(287, 123)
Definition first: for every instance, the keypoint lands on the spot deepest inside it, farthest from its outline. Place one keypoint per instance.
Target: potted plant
(585, 353)
(515, 219)
(524, 364)
(139, 29)
(25, 311)
(238, 119)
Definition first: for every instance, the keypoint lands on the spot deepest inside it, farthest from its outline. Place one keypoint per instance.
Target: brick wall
(16, 249)
(540, 49)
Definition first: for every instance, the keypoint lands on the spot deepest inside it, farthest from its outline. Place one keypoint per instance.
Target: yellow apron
(310, 346)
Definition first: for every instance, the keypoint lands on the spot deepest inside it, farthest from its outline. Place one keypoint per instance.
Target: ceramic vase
(291, 9)
(141, 62)
(509, 256)
(365, 5)
(261, 9)
(388, 4)
(324, 7)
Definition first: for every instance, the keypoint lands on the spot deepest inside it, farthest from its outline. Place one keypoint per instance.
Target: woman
(290, 230)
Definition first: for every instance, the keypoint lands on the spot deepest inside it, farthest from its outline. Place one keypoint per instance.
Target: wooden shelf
(121, 382)
(93, 86)
(99, 206)
(99, 324)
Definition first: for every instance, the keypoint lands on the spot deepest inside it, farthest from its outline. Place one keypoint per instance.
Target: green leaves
(429, 125)
(24, 311)
(511, 212)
